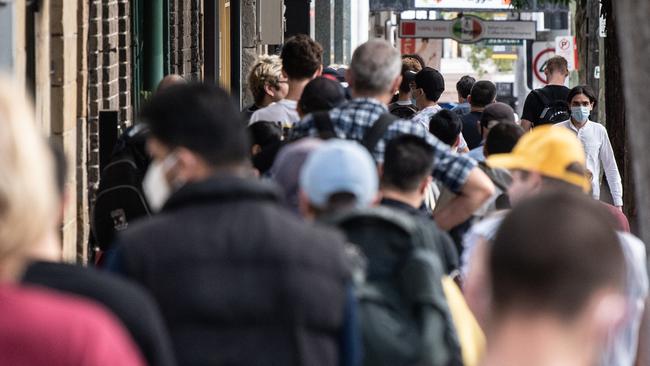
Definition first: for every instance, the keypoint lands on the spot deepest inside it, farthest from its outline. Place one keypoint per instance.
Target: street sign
(467, 29)
(464, 4)
(504, 42)
(565, 46)
(542, 51)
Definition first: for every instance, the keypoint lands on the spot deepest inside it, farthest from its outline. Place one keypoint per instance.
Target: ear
(318, 72)
(469, 99)
(188, 167)
(349, 76)
(304, 207)
(535, 180)
(269, 90)
(457, 142)
(396, 83)
(299, 110)
(605, 312)
(256, 149)
(377, 200)
(425, 184)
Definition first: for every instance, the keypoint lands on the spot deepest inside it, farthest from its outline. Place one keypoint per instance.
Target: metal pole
(153, 44)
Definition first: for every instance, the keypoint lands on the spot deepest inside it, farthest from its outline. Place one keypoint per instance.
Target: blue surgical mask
(580, 114)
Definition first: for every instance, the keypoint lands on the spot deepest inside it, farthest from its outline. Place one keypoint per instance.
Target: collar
(403, 102)
(575, 129)
(431, 108)
(221, 188)
(369, 100)
(399, 205)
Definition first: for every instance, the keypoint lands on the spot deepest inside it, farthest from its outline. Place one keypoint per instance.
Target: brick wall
(185, 49)
(109, 72)
(63, 109)
(109, 76)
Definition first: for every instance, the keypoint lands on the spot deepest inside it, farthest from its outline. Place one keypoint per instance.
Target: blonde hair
(267, 70)
(28, 197)
(557, 64)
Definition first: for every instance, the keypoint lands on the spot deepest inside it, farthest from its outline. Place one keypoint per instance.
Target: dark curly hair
(301, 57)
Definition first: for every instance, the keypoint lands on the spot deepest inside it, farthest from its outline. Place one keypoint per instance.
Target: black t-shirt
(533, 106)
(128, 302)
(472, 129)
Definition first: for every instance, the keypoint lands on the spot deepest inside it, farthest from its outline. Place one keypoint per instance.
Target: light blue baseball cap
(339, 166)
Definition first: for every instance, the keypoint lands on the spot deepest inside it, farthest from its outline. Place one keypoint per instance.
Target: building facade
(90, 65)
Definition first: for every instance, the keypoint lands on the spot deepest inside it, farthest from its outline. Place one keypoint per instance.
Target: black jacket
(129, 302)
(239, 279)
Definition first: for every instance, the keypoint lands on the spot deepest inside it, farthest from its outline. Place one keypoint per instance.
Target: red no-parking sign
(542, 51)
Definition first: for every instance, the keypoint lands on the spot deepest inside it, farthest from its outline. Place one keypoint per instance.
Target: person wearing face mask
(230, 268)
(594, 138)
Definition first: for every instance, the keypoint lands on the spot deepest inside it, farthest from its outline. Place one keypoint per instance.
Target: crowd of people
(345, 218)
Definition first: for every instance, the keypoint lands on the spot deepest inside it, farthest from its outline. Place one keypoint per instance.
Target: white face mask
(155, 186)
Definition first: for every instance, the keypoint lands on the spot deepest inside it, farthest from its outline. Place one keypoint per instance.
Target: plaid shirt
(353, 119)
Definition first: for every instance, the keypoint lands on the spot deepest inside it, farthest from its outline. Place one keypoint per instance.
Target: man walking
(374, 76)
(541, 105)
(239, 280)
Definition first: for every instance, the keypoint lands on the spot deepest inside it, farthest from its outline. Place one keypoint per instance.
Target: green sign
(504, 42)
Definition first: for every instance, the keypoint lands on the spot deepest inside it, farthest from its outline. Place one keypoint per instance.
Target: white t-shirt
(283, 112)
(622, 343)
(424, 116)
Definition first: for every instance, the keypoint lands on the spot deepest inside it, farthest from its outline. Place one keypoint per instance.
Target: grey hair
(374, 66)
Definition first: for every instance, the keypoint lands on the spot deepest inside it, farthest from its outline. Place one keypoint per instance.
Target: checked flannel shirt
(353, 119)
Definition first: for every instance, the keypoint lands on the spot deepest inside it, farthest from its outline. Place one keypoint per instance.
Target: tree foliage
(522, 4)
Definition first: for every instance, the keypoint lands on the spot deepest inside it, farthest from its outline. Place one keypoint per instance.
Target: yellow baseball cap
(552, 151)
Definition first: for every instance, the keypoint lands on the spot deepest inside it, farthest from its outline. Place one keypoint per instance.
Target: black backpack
(120, 198)
(325, 127)
(554, 111)
(403, 111)
(403, 311)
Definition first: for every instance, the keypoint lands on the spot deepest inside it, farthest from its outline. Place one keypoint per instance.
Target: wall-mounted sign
(467, 29)
(464, 4)
(565, 46)
(504, 42)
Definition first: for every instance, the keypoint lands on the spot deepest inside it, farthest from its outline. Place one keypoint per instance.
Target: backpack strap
(546, 101)
(377, 131)
(323, 124)
(486, 169)
(539, 93)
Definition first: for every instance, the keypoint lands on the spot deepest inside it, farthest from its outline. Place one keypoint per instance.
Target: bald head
(374, 67)
(169, 80)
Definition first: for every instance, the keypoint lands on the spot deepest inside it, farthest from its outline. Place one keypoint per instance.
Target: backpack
(120, 198)
(403, 111)
(554, 111)
(325, 127)
(404, 316)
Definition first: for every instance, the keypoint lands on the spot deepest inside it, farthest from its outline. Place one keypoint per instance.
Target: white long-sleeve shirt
(600, 157)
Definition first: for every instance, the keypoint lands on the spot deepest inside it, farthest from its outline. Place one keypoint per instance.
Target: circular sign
(539, 63)
(467, 29)
(564, 44)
